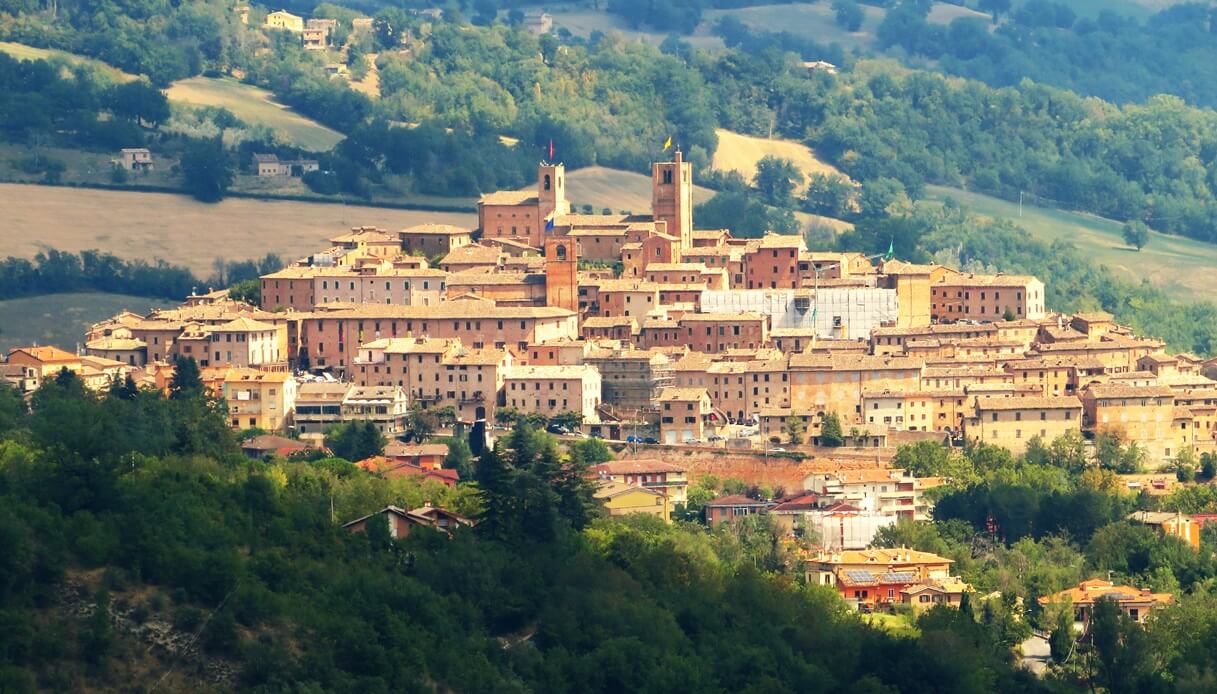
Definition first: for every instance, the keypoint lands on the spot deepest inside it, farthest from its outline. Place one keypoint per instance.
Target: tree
(1136, 234)
(1184, 465)
(187, 382)
(421, 422)
(1121, 649)
(777, 179)
(390, 27)
(1061, 640)
(459, 457)
(849, 15)
(830, 430)
(249, 291)
(206, 170)
(12, 408)
(571, 421)
(355, 441)
(140, 102)
(793, 428)
(996, 7)
(932, 459)
(591, 451)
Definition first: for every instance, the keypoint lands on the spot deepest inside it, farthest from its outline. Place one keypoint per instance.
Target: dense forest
(53, 271)
(132, 512)
(1113, 57)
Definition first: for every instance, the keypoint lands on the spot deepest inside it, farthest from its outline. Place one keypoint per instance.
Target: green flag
(890, 250)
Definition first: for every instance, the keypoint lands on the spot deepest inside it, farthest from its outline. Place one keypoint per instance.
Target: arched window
(546, 181)
(667, 175)
(561, 252)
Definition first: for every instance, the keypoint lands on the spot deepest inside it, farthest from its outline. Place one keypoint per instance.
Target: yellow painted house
(620, 499)
(260, 399)
(282, 19)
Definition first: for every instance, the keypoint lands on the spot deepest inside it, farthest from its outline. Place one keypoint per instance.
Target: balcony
(472, 398)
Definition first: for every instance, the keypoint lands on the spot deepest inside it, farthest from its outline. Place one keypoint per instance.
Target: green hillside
(255, 106)
(1181, 266)
(62, 319)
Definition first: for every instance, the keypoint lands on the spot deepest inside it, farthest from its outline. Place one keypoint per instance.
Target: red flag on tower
(551, 149)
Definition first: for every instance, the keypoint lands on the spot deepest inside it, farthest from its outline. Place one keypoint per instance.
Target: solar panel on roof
(899, 577)
(859, 575)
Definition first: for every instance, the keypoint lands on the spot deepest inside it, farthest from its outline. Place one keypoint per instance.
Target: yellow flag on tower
(667, 143)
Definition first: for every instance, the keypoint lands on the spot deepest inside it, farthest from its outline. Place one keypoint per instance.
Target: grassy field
(894, 624)
(1183, 267)
(24, 52)
(255, 106)
(582, 22)
(618, 190)
(61, 319)
(180, 230)
(740, 153)
(814, 21)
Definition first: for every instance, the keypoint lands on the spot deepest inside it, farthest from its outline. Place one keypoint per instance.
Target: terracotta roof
(1104, 391)
(887, 556)
(607, 489)
(509, 197)
(681, 394)
(397, 449)
(270, 442)
(974, 280)
(782, 241)
(721, 317)
(736, 500)
(480, 309)
(244, 325)
(609, 321)
(435, 229)
(1019, 402)
(635, 466)
(1094, 317)
(45, 354)
(473, 253)
(1087, 592)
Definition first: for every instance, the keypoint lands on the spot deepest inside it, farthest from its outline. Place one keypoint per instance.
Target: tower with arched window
(562, 273)
(551, 191)
(672, 197)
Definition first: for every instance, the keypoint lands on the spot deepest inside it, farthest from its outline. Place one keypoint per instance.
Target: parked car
(650, 439)
(557, 429)
(632, 439)
(713, 438)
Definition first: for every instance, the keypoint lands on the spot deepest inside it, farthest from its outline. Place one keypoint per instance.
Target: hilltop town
(695, 353)
(646, 329)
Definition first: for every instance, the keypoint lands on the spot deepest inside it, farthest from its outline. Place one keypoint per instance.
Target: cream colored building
(553, 390)
(1010, 422)
(282, 19)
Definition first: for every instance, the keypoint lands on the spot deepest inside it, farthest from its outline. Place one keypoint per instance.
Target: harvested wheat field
(740, 153)
(179, 229)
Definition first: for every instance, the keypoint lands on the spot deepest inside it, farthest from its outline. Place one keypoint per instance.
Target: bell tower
(672, 197)
(551, 191)
(562, 273)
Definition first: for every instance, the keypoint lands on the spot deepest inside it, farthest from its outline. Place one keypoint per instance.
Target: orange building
(773, 262)
(968, 296)
(562, 273)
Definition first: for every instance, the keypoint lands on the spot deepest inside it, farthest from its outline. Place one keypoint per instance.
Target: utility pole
(1020, 204)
